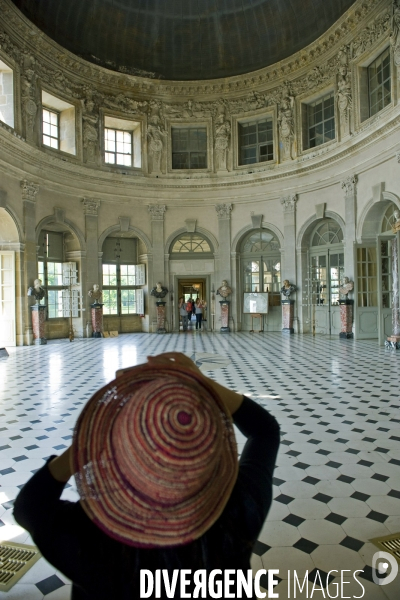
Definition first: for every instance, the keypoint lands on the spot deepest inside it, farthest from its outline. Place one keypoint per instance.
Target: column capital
(91, 206)
(289, 202)
(349, 185)
(29, 190)
(224, 210)
(157, 211)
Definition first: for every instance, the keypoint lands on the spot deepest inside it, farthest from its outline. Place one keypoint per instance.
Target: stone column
(349, 186)
(29, 192)
(156, 272)
(223, 262)
(91, 273)
(288, 270)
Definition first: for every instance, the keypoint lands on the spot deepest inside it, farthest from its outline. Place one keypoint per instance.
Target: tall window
(367, 268)
(189, 148)
(379, 83)
(118, 147)
(256, 142)
(56, 274)
(51, 128)
(122, 277)
(321, 121)
(261, 260)
(326, 263)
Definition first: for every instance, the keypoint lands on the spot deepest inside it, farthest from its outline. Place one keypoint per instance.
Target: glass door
(327, 269)
(7, 299)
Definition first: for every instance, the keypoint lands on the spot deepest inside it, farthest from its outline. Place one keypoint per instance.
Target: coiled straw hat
(154, 456)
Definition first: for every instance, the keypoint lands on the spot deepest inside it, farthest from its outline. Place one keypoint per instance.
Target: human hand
(172, 359)
(60, 466)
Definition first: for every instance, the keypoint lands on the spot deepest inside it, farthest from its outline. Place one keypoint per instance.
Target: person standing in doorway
(183, 313)
(199, 313)
(189, 308)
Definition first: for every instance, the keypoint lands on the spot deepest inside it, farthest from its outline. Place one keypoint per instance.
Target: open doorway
(192, 289)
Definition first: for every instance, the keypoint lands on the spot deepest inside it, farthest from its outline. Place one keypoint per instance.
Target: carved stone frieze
(29, 190)
(289, 202)
(157, 211)
(91, 206)
(349, 185)
(224, 210)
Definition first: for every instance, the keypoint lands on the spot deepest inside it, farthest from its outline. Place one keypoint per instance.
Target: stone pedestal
(346, 319)
(287, 316)
(38, 323)
(161, 317)
(224, 316)
(97, 319)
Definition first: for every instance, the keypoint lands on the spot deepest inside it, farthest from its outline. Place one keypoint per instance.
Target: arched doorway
(260, 266)
(374, 274)
(326, 269)
(192, 262)
(9, 240)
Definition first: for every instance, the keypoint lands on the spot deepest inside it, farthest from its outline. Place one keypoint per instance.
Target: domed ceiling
(184, 39)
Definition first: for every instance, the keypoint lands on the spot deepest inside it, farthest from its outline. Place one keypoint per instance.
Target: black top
(103, 568)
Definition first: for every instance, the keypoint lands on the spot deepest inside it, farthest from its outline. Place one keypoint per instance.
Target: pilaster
(90, 265)
(349, 186)
(156, 266)
(289, 233)
(29, 193)
(223, 262)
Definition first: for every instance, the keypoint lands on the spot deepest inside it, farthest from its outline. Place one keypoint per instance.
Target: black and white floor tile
(337, 481)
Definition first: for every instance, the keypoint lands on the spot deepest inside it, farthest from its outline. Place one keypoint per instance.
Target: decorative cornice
(349, 185)
(224, 210)
(91, 206)
(289, 202)
(157, 211)
(29, 190)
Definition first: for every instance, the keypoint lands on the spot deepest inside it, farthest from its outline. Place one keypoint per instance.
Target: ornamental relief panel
(91, 86)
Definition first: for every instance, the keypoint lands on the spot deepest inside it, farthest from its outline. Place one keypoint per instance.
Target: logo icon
(384, 568)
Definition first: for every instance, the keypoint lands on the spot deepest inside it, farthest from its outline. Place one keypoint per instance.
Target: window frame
(185, 124)
(380, 86)
(255, 115)
(106, 151)
(51, 111)
(257, 121)
(361, 109)
(119, 288)
(309, 106)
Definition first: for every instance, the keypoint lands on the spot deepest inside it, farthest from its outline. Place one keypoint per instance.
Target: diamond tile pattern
(337, 402)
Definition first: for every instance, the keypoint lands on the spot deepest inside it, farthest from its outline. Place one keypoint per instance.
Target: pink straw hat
(154, 456)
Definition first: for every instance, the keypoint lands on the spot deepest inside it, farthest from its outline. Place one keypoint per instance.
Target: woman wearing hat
(155, 462)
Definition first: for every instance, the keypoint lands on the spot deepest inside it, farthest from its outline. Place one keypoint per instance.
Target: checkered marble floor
(337, 481)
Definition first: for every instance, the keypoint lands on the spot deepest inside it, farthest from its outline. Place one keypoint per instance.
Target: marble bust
(287, 289)
(346, 287)
(224, 290)
(95, 294)
(159, 291)
(37, 291)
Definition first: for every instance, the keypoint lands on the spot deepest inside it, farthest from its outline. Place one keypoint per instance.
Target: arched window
(388, 218)
(191, 244)
(261, 264)
(328, 232)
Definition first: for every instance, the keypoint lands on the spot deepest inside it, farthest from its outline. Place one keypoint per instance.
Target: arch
(303, 237)
(369, 223)
(237, 240)
(63, 221)
(200, 230)
(117, 229)
(14, 223)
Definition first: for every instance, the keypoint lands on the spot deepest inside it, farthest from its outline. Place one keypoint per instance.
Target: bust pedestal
(346, 318)
(287, 316)
(38, 323)
(97, 319)
(224, 316)
(161, 317)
